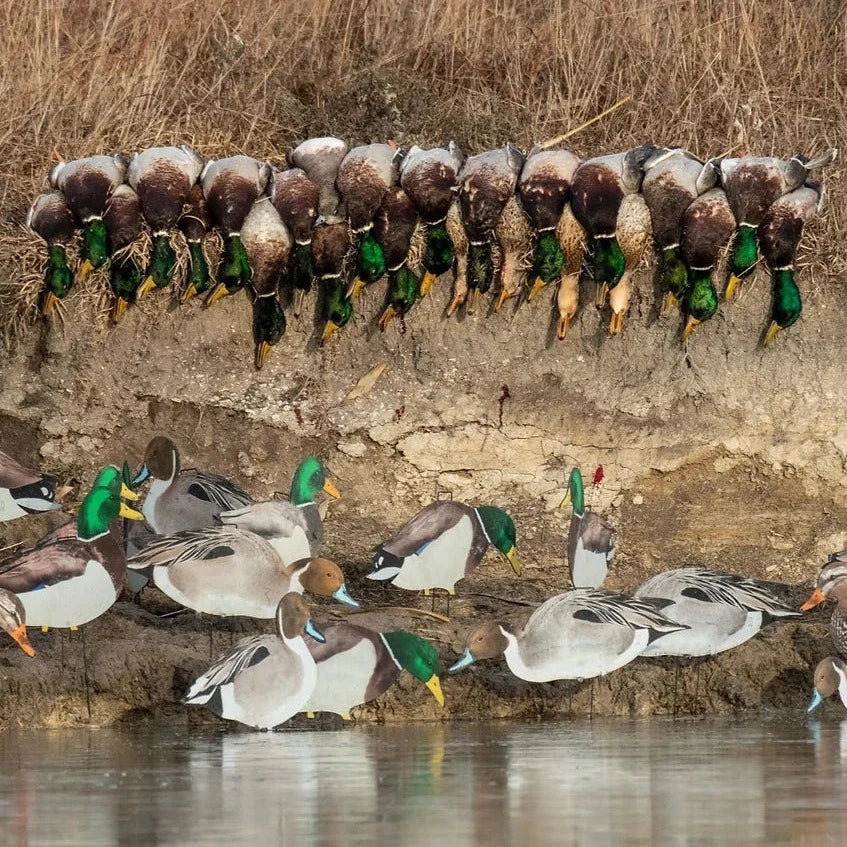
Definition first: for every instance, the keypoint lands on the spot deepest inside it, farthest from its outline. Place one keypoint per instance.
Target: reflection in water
(697, 782)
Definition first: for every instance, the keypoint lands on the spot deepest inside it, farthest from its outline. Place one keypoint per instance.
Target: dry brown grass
(719, 76)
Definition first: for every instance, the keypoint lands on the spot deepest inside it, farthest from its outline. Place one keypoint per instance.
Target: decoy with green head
(231, 186)
(752, 184)
(430, 178)
(673, 179)
(296, 198)
(707, 225)
(486, 183)
(194, 224)
(779, 237)
(162, 177)
(364, 176)
(51, 219)
(330, 246)
(123, 222)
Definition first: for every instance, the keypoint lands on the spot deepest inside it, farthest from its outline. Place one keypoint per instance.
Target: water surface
(763, 781)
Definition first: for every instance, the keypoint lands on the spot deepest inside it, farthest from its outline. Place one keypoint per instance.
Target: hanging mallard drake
(673, 179)
(13, 620)
(296, 198)
(194, 224)
(320, 159)
(598, 189)
(356, 665)
(430, 178)
(330, 246)
(513, 235)
(51, 219)
(779, 237)
(590, 544)
(752, 184)
(393, 229)
(231, 186)
(24, 491)
(267, 243)
(443, 543)
(76, 573)
(544, 188)
(364, 176)
(486, 183)
(123, 223)
(707, 225)
(162, 178)
(459, 238)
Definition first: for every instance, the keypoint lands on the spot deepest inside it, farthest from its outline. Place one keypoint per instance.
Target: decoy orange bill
(20, 636)
(817, 597)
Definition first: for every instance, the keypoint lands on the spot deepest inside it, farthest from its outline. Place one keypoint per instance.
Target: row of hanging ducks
(348, 217)
(210, 547)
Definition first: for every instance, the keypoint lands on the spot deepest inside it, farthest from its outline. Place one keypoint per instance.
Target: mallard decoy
(486, 182)
(13, 620)
(830, 676)
(296, 198)
(123, 223)
(182, 498)
(707, 224)
(430, 178)
(320, 158)
(544, 188)
(299, 515)
(673, 179)
(580, 634)
(441, 544)
(832, 582)
(330, 246)
(51, 219)
(779, 237)
(571, 238)
(364, 176)
(231, 186)
(75, 574)
(267, 241)
(356, 664)
(393, 229)
(590, 545)
(720, 610)
(456, 231)
(87, 185)
(24, 491)
(752, 184)
(194, 224)
(265, 679)
(513, 235)
(162, 178)
(598, 189)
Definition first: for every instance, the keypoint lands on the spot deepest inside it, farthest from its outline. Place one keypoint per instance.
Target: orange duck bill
(817, 597)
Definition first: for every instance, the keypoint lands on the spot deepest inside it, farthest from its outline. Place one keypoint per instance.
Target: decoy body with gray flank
(13, 620)
(830, 677)
(580, 634)
(181, 499)
(74, 574)
(832, 583)
(51, 219)
(720, 610)
(24, 491)
(194, 224)
(265, 679)
(292, 527)
(590, 544)
(442, 544)
(356, 664)
(123, 222)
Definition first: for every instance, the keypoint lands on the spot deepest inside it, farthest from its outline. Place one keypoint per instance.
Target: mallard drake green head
(418, 657)
(330, 245)
(430, 178)
(122, 220)
(50, 218)
(296, 198)
(707, 224)
(267, 243)
(486, 182)
(13, 620)
(309, 480)
(752, 184)
(194, 223)
(779, 237)
(830, 677)
(393, 229)
(364, 176)
(598, 188)
(500, 531)
(162, 177)
(231, 186)
(320, 158)
(544, 188)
